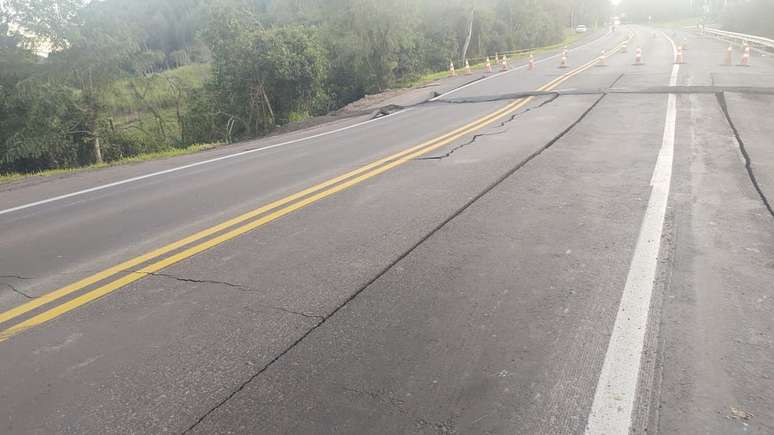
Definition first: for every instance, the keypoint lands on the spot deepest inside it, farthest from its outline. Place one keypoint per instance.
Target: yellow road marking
(360, 175)
(93, 279)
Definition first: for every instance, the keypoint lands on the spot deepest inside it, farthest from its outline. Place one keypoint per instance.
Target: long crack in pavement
(240, 287)
(721, 96)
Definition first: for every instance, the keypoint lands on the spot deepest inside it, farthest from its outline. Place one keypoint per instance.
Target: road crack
(19, 277)
(196, 281)
(553, 97)
(16, 290)
(443, 427)
(240, 287)
(721, 96)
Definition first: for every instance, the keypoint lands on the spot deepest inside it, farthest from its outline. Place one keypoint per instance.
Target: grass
(9, 178)
(156, 89)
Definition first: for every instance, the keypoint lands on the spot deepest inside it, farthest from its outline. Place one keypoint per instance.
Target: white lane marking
(611, 411)
(193, 165)
(546, 59)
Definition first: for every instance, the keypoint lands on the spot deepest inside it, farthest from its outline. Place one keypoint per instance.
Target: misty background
(85, 82)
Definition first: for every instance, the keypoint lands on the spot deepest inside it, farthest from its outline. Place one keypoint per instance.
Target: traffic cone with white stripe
(531, 64)
(638, 57)
(729, 55)
(452, 72)
(505, 63)
(680, 58)
(467, 68)
(488, 65)
(563, 63)
(745, 57)
(602, 61)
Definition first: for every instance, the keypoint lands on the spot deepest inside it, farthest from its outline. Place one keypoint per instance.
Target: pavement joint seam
(721, 96)
(400, 258)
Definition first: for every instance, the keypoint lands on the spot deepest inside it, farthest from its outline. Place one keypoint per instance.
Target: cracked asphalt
(473, 289)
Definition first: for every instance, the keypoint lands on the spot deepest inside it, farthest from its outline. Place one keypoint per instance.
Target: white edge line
(615, 394)
(518, 68)
(193, 165)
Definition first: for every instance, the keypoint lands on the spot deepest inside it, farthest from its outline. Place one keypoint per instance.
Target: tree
(263, 77)
(50, 21)
(272, 61)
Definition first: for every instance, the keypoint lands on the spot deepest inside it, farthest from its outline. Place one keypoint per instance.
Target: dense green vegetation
(128, 77)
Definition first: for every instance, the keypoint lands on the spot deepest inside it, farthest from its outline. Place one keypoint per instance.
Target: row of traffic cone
(745, 56)
(502, 61)
(680, 59)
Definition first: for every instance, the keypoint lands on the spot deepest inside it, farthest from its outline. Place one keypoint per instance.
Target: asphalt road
(598, 258)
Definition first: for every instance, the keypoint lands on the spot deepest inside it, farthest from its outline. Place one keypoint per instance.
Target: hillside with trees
(127, 77)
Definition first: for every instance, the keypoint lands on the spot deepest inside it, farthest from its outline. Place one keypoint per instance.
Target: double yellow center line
(242, 224)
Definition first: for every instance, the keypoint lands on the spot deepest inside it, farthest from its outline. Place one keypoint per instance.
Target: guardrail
(740, 38)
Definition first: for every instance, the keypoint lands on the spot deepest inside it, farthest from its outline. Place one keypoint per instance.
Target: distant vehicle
(581, 29)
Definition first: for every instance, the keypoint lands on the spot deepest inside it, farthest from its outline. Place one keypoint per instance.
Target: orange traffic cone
(602, 61)
(497, 59)
(563, 64)
(680, 58)
(488, 65)
(467, 68)
(638, 57)
(452, 72)
(745, 57)
(505, 63)
(729, 54)
(531, 64)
